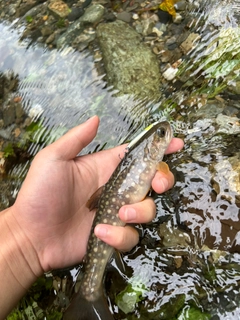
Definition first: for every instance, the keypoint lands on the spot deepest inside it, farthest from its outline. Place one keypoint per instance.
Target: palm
(59, 216)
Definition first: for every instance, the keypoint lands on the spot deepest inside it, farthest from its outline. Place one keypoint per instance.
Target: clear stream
(187, 264)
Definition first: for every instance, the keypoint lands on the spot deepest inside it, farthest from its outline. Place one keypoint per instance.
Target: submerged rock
(59, 8)
(92, 15)
(130, 65)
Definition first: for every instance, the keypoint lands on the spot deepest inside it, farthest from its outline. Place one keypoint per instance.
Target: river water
(187, 263)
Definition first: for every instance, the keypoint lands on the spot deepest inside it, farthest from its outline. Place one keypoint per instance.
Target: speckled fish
(129, 184)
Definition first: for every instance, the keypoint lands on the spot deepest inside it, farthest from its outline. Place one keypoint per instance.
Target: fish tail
(82, 309)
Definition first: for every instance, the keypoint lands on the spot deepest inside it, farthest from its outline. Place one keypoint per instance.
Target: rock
(228, 170)
(180, 5)
(92, 14)
(177, 19)
(173, 237)
(9, 115)
(190, 42)
(170, 73)
(228, 125)
(25, 7)
(46, 31)
(59, 8)
(11, 10)
(124, 16)
(76, 13)
(131, 66)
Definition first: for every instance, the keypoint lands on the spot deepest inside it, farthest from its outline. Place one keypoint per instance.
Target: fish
(129, 184)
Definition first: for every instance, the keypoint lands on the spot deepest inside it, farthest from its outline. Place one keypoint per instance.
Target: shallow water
(178, 263)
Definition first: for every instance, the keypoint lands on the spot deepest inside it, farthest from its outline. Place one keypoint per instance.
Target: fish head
(157, 140)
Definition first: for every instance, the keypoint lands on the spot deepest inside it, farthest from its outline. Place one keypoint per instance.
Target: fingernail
(130, 214)
(88, 120)
(101, 231)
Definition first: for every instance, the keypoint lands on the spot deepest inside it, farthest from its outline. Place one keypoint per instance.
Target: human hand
(50, 211)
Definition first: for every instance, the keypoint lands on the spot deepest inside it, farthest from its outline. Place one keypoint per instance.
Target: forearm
(17, 263)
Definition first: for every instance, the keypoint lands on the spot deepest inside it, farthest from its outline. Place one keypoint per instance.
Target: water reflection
(64, 89)
(56, 90)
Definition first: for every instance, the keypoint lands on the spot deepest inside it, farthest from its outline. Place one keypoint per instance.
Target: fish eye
(161, 132)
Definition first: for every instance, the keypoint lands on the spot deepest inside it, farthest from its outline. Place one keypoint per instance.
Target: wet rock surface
(132, 68)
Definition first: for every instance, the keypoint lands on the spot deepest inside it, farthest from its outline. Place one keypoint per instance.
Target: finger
(69, 145)
(175, 145)
(121, 238)
(141, 212)
(162, 181)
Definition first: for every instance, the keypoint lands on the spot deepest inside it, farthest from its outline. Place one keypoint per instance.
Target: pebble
(135, 16)
(177, 19)
(157, 31)
(124, 16)
(190, 42)
(59, 8)
(76, 12)
(170, 73)
(11, 10)
(180, 5)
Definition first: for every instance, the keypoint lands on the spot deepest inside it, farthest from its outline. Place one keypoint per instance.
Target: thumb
(69, 145)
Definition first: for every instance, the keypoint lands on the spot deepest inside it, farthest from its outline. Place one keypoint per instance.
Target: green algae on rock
(131, 67)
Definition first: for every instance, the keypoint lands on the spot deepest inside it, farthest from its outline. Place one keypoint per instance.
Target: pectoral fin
(163, 167)
(92, 202)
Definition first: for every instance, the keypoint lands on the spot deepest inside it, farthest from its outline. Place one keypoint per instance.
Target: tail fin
(81, 309)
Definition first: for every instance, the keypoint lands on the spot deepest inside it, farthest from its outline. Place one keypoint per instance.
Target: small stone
(59, 8)
(17, 132)
(93, 14)
(170, 73)
(155, 50)
(190, 42)
(135, 16)
(76, 12)
(166, 55)
(158, 32)
(35, 111)
(180, 5)
(177, 19)
(46, 31)
(11, 10)
(50, 38)
(178, 262)
(124, 16)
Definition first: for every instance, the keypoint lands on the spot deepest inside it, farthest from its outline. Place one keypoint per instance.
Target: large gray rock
(130, 65)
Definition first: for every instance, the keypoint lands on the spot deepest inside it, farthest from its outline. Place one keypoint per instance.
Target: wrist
(19, 265)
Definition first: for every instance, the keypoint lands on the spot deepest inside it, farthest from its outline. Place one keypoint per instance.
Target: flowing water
(187, 265)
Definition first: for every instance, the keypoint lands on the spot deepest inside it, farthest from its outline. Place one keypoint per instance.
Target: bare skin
(49, 224)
